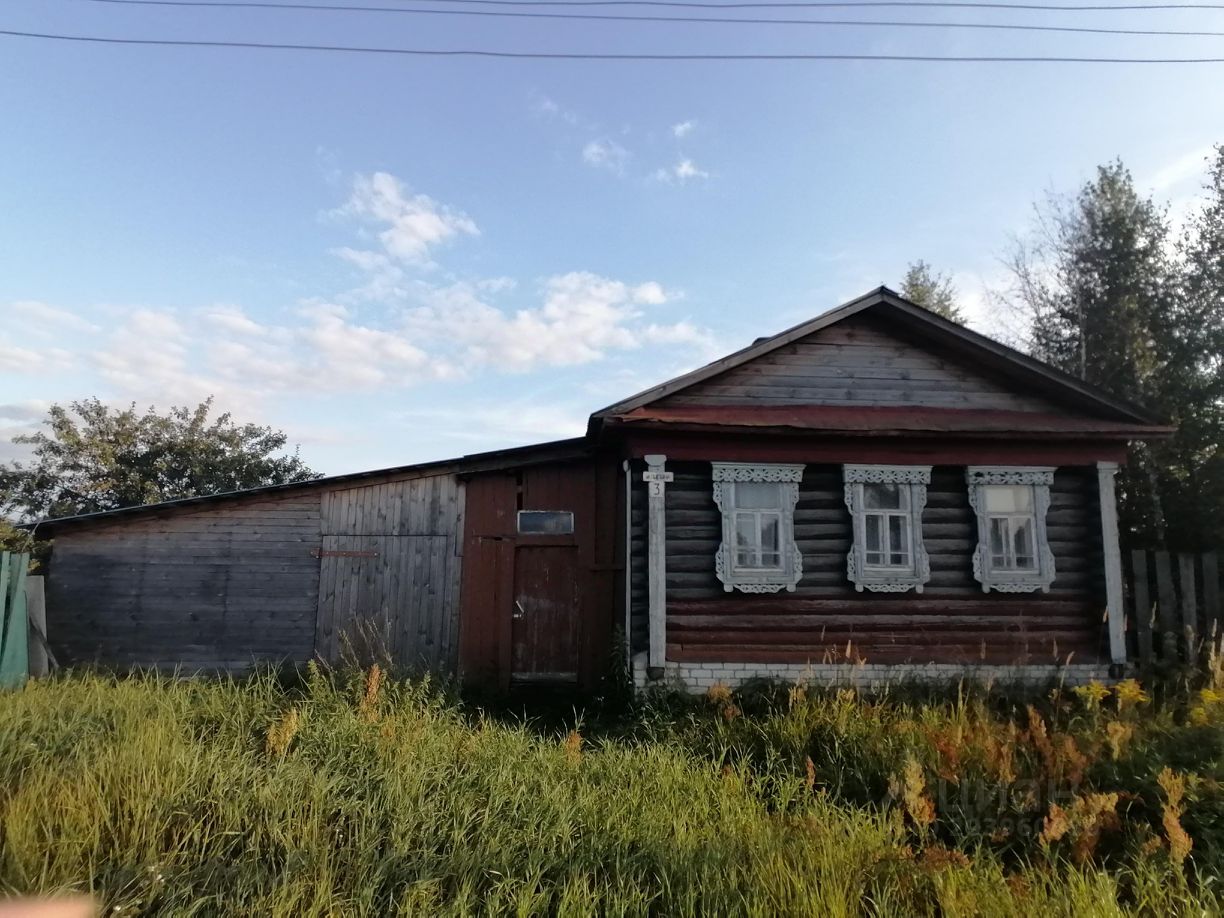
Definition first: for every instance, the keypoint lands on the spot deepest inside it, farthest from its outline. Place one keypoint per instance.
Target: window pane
(998, 541)
(758, 495)
(1008, 498)
(885, 496)
(771, 559)
(545, 522)
(898, 540)
(1022, 543)
(746, 533)
(770, 526)
(874, 533)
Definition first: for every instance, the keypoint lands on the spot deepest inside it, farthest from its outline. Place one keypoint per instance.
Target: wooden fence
(14, 632)
(1173, 606)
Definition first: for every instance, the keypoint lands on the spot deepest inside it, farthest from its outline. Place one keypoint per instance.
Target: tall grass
(361, 795)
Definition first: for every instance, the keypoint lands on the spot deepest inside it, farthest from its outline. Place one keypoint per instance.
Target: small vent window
(545, 522)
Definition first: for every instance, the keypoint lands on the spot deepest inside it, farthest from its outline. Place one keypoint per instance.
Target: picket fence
(1173, 606)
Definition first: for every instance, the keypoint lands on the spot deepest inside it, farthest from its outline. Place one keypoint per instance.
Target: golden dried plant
(281, 733)
(367, 709)
(573, 747)
(718, 694)
(1118, 734)
(910, 788)
(1174, 787)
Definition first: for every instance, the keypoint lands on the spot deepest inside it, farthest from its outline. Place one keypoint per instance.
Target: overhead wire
(600, 56)
(621, 17)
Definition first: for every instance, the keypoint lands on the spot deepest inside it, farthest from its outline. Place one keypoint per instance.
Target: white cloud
(42, 317)
(412, 223)
(606, 154)
(1181, 170)
(397, 329)
(583, 317)
(682, 172)
(545, 107)
(683, 129)
(232, 319)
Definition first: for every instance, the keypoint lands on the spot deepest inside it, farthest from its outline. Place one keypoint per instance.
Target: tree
(1104, 293)
(95, 458)
(1201, 320)
(933, 291)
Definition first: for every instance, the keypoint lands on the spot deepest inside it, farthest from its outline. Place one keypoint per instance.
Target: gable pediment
(883, 356)
(860, 362)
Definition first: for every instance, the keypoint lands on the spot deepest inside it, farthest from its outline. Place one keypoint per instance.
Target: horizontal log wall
(857, 362)
(951, 621)
(215, 587)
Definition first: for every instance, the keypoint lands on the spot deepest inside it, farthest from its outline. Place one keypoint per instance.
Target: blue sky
(400, 259)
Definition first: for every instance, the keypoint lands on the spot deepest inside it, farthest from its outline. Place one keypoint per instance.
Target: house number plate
(658, 476)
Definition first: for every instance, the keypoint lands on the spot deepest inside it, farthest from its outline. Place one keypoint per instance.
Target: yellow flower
(1091, 694)
(1129, 692)
(1211, 697)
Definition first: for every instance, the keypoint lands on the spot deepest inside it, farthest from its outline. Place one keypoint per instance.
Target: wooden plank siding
(951, 621)
(395, 590)
(858, 362)
(213, 587)
(224, 585)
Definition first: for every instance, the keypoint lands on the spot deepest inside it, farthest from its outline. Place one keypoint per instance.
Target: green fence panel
(14, 630)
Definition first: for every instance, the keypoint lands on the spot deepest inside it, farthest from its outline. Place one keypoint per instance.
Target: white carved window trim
(887, 578)
(1039, 478)
(787, 576)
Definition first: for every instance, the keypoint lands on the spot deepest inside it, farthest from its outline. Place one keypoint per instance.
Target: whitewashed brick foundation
(697, 677)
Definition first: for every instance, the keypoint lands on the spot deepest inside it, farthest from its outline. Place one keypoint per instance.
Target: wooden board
(387, 597)
(859, 362)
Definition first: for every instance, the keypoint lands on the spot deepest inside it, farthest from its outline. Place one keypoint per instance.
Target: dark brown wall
(213, 587)
(952, 620)
(589, 488)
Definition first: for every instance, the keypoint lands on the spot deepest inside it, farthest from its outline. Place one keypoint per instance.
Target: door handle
(521, 611)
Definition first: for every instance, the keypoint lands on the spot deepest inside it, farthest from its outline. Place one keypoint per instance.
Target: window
(545, 522)
(1013, 554)
(758, 552)
(886, 504)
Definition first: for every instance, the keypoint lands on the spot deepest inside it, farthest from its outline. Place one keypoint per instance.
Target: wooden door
(547, 612)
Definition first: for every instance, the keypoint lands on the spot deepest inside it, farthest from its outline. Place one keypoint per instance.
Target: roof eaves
(472, 462)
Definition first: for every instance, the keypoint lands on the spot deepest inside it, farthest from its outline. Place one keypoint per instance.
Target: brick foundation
(697, 677)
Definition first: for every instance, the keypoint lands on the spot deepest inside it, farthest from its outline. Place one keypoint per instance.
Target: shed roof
(473, 463)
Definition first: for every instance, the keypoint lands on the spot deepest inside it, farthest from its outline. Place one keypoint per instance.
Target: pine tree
(1101, 289)
(933, 291)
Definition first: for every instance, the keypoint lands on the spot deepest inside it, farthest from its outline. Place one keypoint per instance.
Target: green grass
(346, 796)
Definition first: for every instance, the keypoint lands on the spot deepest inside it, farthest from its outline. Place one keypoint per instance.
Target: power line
(619, 17)
(598, 56)
(822, 4)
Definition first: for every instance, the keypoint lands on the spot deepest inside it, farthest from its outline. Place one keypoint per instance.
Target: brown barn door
(546, 612)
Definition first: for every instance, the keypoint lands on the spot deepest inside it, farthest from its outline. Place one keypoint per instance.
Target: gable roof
(917, 324)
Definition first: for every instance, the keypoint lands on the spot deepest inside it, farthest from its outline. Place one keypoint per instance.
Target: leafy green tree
(95, 458)
(931, 290)
(1104, 290)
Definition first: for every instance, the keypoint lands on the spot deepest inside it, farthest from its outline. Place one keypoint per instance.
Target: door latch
(521, 611)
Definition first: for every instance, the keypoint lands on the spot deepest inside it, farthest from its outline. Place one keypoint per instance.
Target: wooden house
(873, 493)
